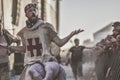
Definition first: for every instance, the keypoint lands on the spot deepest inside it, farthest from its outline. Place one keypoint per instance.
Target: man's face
(77, 43)
(31, 13)
(116, 30)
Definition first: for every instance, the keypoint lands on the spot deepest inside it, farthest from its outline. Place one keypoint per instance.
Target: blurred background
(94, 16)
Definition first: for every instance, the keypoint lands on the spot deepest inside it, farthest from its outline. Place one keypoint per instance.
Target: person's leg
(35, 72)
(80, 72)
(62, 74)
(74, 70)
(52, 70)
(49, 72)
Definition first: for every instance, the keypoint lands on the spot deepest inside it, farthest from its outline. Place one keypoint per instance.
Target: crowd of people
(36, 38)
(107, 63)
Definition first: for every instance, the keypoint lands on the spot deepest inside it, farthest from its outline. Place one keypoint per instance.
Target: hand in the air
(76, 31)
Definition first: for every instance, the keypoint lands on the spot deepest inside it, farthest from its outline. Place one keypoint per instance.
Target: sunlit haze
(90, 15)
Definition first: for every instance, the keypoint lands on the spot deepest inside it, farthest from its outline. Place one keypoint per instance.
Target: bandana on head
(30, 6)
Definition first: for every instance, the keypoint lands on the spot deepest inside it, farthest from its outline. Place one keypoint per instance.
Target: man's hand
(76, 32)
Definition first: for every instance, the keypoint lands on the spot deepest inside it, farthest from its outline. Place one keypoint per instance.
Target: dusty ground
(88, 72)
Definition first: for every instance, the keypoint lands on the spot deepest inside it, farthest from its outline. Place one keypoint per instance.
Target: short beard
(34, 19)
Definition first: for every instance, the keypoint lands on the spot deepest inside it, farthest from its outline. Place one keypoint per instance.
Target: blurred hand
(76, 32)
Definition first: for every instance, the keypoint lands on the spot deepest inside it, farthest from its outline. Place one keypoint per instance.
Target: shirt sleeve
(83, 47)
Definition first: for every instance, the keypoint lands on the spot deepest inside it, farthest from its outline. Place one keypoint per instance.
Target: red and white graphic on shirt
(37, 46)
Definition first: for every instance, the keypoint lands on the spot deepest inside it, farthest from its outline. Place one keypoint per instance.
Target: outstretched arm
(89, 47)
(61, 42)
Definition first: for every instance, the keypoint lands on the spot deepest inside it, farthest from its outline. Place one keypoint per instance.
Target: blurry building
(12, 13)
(97, 36)
(102, 33)
(88, 42)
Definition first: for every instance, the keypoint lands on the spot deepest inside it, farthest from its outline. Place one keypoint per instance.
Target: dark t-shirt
(77, 53)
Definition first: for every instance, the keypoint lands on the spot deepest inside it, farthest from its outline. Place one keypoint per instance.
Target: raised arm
(61, 42)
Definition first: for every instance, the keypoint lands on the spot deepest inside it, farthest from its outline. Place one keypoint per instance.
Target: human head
(118, 40)
(108, 40)
(31, 11)
(115, 24)
(116, 28)
(76, 41)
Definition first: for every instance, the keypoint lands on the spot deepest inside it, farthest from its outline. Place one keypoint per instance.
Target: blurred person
(36, 38)
(108, 57)
(5, 38)
(113, 71)
(103, 57)
(116, 28)
(76, 58)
